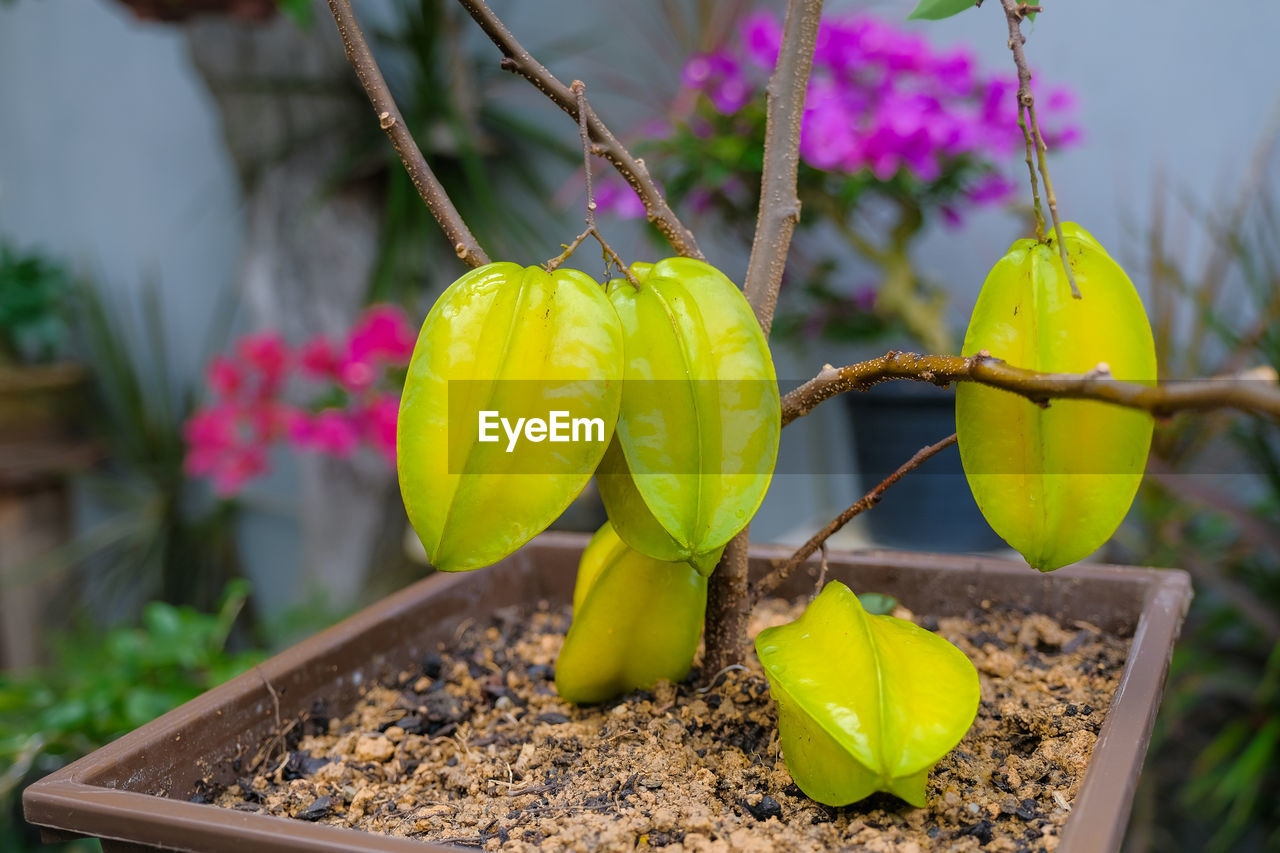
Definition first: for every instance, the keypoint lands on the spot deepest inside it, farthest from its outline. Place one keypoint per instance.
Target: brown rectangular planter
(133, 793)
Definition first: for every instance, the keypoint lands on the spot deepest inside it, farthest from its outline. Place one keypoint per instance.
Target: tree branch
(1014, 12)
(728, 595)
(1259, 394)
(389, 117)
(779, 210)
(632, 169)
(771, 581)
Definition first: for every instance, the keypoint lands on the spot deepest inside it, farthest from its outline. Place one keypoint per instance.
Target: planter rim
(83, 798)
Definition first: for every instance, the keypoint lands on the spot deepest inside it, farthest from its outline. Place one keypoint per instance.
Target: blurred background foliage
(1211, 504)
(491, 159)
(57, 713)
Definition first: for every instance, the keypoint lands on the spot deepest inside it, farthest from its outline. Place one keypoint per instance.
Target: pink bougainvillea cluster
(353, 399)
(883, 99)
(883, 104)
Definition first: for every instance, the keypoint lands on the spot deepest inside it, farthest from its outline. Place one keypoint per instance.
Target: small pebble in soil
(473, 746)
(320, 807)
(765, 808)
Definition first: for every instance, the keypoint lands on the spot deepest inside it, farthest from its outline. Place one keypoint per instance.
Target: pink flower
(991, 187)
(613, 195)
(882, 99)
(225, 377)
(222, 444)
(237, 468)
(379, 425)
(721, 78)
(382, 334)
(762, 38)
(319, 358)
(270, 420)
(356, 375)
(266, 354)
(330, 431)
(212, 429)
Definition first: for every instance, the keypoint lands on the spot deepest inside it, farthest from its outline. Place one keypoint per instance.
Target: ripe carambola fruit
(697, 436)
(517, 341)
(1056, 482)
(865, 703)
(635, 620)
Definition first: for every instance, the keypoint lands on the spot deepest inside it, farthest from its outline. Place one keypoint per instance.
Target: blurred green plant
(491, 160)
(158, 534)
(34, 297)
(163, 537)
(102, 685)
(1214, 783)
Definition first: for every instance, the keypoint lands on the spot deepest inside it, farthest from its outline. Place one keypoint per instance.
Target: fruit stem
(1014, 13)
(579, 90)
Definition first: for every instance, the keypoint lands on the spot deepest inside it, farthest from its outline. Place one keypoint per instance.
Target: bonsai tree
(527, 381)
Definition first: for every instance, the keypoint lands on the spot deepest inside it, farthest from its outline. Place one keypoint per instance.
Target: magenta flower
(762, 38)
(319, 358)
(379, 425)
(266, 355)
(882, 100)
(223, 445)
(720, 77)
(225, 377)
(330, 431)
(382, 335)
(237, 468)
(228, 440)
(614, 195)
(356, 375)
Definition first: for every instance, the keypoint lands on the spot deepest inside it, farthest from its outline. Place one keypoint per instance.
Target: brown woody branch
(389, 117)
(770, 582)
(779, 211)
(518, 60)
(1255, 395)
(728, 597)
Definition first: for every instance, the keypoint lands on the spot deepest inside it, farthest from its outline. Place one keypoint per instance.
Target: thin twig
(633, 170)
(579, 90)
(608, 250)
(1031, 172)
(770, 582)
(779, 210)
(569, 249)
(1014, 13)
(580, 94)
(822, 572)
(389, 117)
(1256, 395)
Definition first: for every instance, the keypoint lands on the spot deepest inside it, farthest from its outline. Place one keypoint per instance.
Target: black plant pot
(932, 509)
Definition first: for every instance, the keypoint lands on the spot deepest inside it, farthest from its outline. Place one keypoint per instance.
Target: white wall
(111, 156)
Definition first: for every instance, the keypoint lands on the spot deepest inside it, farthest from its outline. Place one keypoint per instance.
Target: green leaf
(936, 10)
(298, 11)
(865, 703)
(877, 603)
